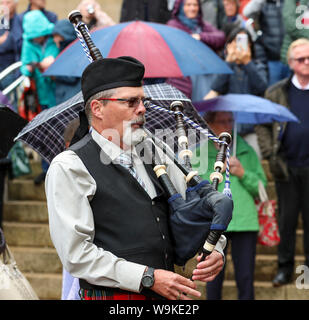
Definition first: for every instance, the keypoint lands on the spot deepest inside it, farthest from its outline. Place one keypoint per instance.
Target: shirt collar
(297, 84)
(110, 148)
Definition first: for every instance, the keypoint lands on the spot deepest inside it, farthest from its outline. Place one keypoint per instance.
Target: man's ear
(96, 108)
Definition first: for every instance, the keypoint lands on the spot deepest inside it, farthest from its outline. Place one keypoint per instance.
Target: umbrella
(165, 51)
(44, 133)
(247, 108)
(10, 124)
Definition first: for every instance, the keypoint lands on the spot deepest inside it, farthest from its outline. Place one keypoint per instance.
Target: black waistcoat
(127, 221)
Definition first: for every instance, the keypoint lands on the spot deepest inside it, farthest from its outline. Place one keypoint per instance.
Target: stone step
(263, 291)
(27, 234)
(37, 260)
(265, 267)
(47, 286)
(25, 211)
(21, 189)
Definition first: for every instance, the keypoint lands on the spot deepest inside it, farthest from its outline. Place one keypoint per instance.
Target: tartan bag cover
(269, 232)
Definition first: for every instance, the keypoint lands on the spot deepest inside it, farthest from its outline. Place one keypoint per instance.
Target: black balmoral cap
(111, 73)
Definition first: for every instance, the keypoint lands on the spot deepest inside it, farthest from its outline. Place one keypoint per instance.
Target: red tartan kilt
(113, 295)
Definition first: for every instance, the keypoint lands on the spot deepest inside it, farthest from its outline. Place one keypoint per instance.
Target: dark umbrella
(10, 125)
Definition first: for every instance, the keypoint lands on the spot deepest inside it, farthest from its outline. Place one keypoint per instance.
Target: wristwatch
(148, 278)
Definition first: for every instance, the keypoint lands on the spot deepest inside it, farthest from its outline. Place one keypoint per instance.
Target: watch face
(147, 281)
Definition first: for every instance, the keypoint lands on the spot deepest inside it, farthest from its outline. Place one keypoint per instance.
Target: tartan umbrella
(44, 133)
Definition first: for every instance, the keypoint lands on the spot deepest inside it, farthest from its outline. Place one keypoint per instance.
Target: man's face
(230, 8)
(191, 8)
(114, 120)
(299, 60)
(223, 122)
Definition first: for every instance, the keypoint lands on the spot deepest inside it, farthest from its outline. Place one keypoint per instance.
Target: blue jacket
(10, 50)
(250, 79)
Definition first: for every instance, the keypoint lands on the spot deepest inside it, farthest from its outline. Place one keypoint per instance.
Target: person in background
(38, 53)
(232, 19)
(187, 16)
(213, 12)
(10, 46)
(66, 87)
(39, 5)
(154, 11)
(249, 77)
(93, 15)
(267, 15)
(293, 24)
(285, 147)
(245, 173)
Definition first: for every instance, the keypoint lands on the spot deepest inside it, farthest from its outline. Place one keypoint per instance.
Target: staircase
(27, 234)
(25, 225)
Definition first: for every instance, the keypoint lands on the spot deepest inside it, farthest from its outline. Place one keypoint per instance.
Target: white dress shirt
(297, 83)
(69, 190)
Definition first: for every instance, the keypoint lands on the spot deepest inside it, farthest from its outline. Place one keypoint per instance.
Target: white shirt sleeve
(69, 188)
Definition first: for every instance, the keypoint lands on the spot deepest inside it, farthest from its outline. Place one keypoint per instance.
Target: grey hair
(102, 94)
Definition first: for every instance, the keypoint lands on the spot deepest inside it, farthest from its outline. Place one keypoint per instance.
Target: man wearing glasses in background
(286, 146)
(107, 212)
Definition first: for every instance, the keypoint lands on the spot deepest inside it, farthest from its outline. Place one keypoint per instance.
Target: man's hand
(208, 269)
(173, 286)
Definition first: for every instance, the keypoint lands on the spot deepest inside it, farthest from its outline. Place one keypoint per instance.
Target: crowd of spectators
(264, 65)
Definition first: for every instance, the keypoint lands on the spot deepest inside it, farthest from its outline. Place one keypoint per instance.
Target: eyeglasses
(301, 59)
(133, 102)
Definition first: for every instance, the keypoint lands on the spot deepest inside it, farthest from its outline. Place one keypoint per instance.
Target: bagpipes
(205, 213)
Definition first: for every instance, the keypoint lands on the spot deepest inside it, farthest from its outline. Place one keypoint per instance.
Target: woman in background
(187, 16)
